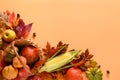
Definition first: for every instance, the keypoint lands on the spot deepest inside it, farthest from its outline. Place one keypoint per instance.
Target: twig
(14, 49)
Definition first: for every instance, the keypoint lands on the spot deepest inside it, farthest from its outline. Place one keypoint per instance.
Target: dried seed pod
(108, 72)
(34, 35)
(16, 62)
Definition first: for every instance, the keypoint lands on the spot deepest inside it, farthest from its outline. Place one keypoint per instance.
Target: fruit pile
(22, 59)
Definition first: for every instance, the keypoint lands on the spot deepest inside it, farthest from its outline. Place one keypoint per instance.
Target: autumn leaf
(61, 44)
(82, 58)
(26, 30)
(49, 51)
(22, 30)
(11, 17)
(46, 76)
(60, 76)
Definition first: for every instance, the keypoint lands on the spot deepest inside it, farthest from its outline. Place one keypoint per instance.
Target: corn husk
(58, 61)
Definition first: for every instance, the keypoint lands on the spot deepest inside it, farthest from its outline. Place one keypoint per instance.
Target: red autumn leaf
(49, 51)
(52, 51)
(7, 12)
(11, 17)
(22, 30)
(85, 56)
(27, 29)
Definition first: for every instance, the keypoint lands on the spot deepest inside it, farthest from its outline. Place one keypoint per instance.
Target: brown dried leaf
(44, 50)
(49, 51)
(25, 42)
(46, 76)
(79, 61)
(89, 57)
(86, 56)
(60, 44)
(59, 76)
(48, 46)
(86, 53)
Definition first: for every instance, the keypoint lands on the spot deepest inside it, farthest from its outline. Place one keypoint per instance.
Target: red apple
(31, 53)
(9, 35)
(74, 74)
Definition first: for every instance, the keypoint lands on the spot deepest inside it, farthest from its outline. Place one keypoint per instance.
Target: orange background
(93, 24)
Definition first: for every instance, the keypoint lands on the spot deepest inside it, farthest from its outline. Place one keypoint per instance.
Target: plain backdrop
(92, 24)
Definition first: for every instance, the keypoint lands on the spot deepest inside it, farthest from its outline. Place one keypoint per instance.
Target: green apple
(9, 35)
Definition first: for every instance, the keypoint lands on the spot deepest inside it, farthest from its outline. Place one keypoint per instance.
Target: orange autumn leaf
(60, 76)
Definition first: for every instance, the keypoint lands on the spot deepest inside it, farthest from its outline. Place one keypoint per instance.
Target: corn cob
(58, 61)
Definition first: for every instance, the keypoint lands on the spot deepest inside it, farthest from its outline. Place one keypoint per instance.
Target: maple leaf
(86, 56)
(7, 12)
(11, 17)
(82, 58)
(22, 30)
(60, 44)
(49, 51)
